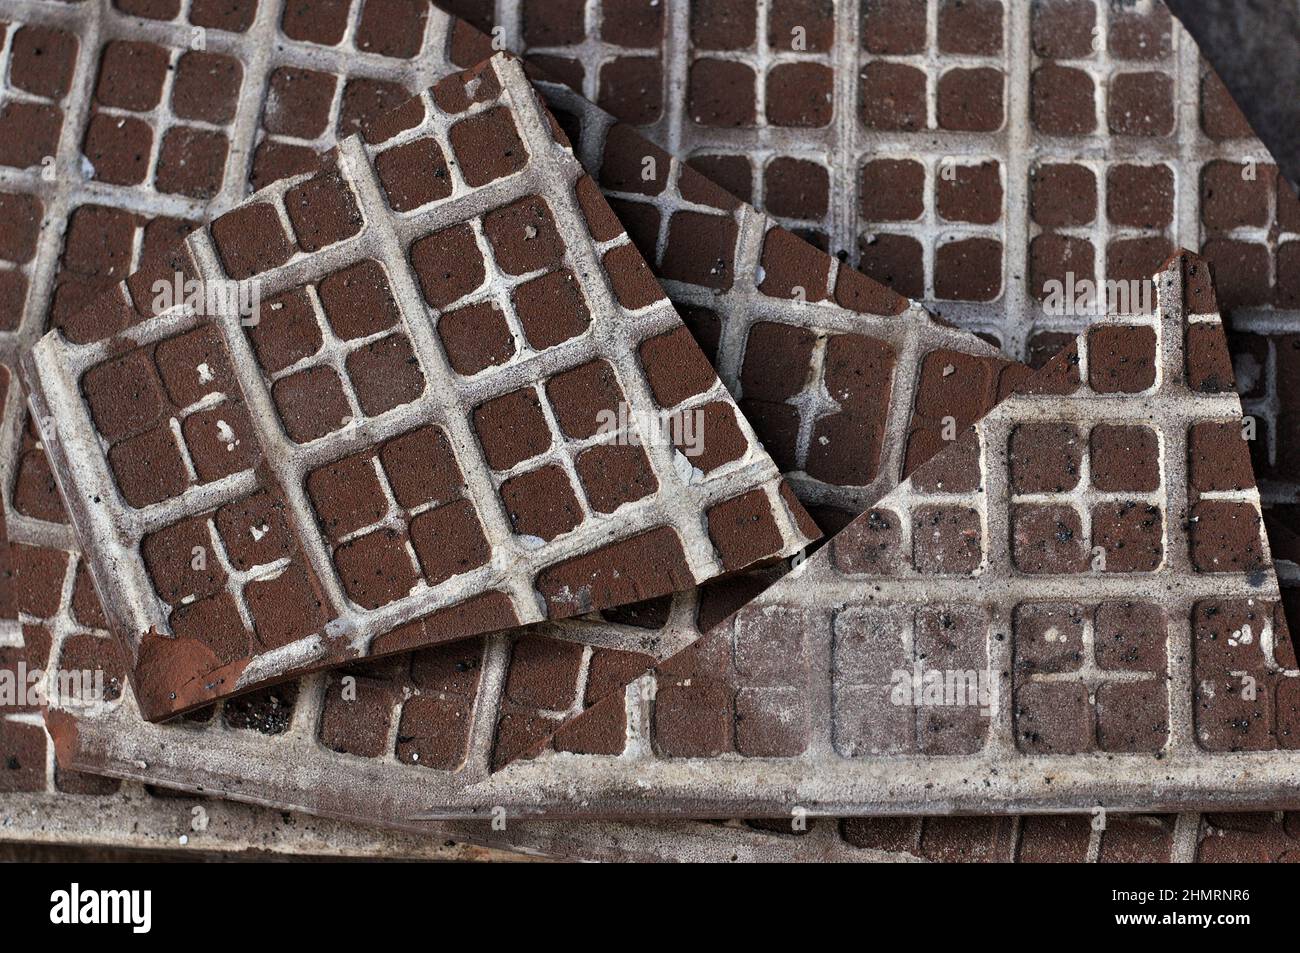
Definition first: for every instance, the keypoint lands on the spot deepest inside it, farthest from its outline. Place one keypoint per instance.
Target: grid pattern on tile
(203, 74)
(1129, 212)
(1216, 118)
(1028, 569)
(931, 334)
(1071, 691)
(131, 241)
(434, 694)
(799, 759)
(280, 702)
(119, 246)
(794, 333)
(1225, 843)
(323, 213)
(794, 105)
(729, 836)
(1108, 142)
(608, 635)
(33, 486)
(930, 822)
(63, 630)
(946, 128)
(74, 232)
(914, 404)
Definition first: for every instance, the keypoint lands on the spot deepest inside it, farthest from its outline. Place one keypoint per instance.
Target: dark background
(1255, 46)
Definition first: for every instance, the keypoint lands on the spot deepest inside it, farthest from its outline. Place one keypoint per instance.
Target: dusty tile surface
(243, 93)
(945, 146)
(644, 629)
(620, 831)
(1052, 518)
(967, 155)
(784, 708)
(253, 513)
(418, 710)
(125, 128)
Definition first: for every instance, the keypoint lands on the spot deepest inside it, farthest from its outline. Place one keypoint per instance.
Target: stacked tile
(254, 509)
(1050, 523)
(976, 563)
(631, 53)
(860, 295)
(121, 124)
(548, 680)
(976, 156)
(793, 443)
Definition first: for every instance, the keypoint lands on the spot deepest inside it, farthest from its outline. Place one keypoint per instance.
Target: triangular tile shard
(474, 448)
(1074, 603)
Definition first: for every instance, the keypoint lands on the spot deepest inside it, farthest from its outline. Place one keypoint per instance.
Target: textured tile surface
(642, 629)
(81, 211)
(100, 105)
(253, 513)
(934, 143)
(1071, 168)
(1182, 697)
(835, 374)
(525, 718)
(624, 834)
(1085, 573)
(968, 153)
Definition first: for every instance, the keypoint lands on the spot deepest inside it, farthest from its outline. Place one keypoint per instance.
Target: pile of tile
(550, 425)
